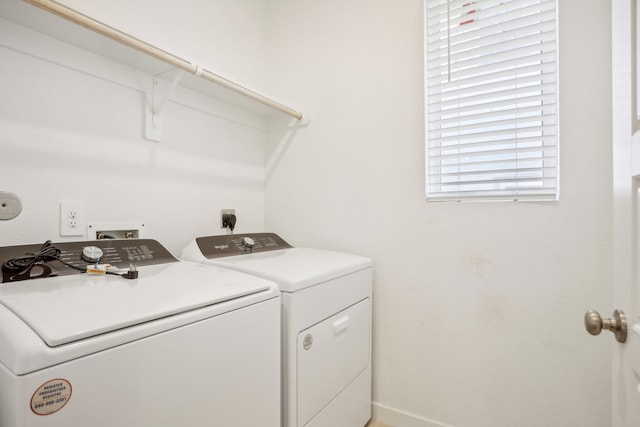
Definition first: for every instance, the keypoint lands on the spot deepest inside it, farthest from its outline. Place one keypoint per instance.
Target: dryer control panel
(240, 244)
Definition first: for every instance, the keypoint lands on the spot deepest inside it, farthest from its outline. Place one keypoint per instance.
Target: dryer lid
(64, 309)
(294, 269)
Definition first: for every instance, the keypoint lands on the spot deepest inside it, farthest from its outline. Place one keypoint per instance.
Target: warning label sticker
(51, 396)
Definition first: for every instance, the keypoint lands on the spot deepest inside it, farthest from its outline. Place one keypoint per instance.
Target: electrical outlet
(224, 212)
(72, 219)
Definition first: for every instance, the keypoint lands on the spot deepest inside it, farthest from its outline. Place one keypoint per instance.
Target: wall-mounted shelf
(62, 23)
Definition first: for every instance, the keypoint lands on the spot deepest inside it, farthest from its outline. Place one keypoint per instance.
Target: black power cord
(229, 221)
(47, 252)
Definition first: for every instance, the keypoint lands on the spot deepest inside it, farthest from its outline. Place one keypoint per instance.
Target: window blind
(491, 100)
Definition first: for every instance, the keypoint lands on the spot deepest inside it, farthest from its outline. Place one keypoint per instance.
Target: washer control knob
(248, 242)
(92, 253)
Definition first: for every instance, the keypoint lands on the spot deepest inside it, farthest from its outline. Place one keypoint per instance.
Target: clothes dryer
(326, 323)
(180, 345)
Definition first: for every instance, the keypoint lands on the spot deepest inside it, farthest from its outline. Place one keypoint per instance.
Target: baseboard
(396, 418)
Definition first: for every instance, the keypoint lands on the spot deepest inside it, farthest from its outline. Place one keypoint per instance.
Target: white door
(626, 184)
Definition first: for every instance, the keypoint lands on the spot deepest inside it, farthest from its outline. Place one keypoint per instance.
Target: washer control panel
(240, 244)
(36, 261)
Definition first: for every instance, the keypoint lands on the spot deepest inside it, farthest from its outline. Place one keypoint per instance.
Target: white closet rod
(127, 40)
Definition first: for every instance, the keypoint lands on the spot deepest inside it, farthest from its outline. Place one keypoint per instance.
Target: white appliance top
(292, 269)
(68, 306)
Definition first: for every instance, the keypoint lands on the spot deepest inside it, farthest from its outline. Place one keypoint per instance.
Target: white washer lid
(64, 309)
(294, 269)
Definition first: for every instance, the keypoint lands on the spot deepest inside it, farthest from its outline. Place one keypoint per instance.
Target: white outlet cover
(72, 221)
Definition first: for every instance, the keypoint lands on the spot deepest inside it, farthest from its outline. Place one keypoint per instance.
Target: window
(491, 100)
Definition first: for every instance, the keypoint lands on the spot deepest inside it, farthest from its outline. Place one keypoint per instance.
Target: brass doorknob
(594, 324)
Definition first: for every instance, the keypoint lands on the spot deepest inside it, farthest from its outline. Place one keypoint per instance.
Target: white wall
(230, 37)
(72, 126)
(478, 306)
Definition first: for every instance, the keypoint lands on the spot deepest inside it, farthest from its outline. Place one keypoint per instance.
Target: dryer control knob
(248, 242)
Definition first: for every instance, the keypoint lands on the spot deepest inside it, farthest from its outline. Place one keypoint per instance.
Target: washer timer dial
(92, 253)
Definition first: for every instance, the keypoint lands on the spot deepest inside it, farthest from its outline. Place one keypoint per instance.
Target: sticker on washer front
(51, 396)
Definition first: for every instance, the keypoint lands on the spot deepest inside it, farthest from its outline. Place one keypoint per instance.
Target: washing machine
(120, 333)
(326, 323)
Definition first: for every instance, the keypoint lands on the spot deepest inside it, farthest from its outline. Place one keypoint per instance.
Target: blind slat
(496, 98)
(484, 11)
(545, 62)
(536, 43)
(547, 100)
(471, 137)
(510, 172)
(528, 47)
(520, 53)
(439, 83)
(521, 194)
(469, 158)
(488, 116)
(488, 147)
(458, 37)
(520, 85)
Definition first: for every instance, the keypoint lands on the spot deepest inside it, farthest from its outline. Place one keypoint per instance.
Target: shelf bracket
(157, 99)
